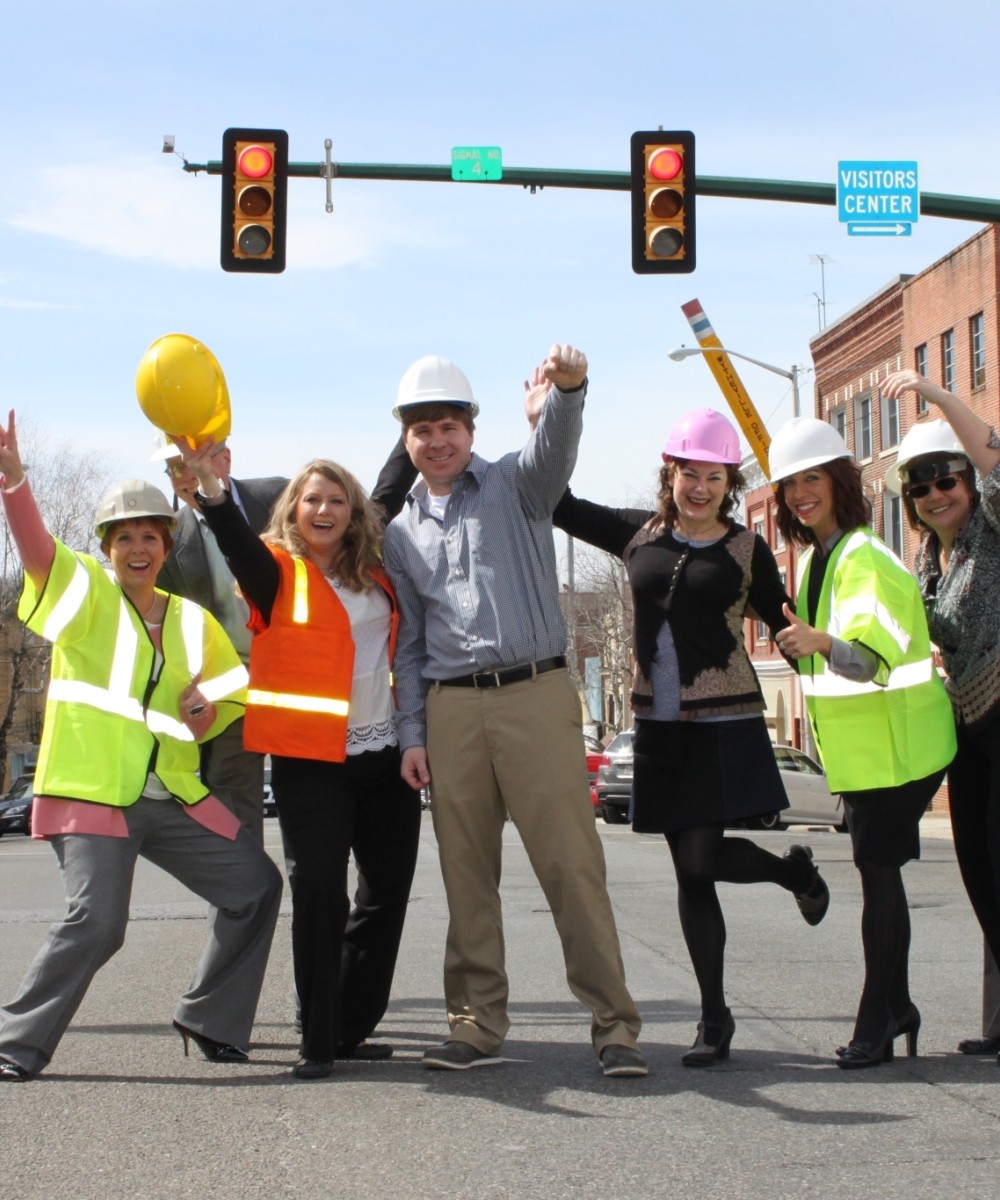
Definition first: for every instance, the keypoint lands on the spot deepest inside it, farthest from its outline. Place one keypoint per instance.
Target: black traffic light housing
(254, 200)
(663, 209)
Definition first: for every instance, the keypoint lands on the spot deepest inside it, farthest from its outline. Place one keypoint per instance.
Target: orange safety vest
(302, 665)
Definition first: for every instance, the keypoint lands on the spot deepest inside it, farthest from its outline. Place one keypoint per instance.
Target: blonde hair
(360, 549)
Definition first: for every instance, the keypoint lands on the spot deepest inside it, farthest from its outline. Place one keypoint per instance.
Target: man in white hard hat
(488, 715)
(196, 569)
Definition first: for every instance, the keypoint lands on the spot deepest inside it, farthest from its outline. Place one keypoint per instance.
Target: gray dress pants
(237, 878)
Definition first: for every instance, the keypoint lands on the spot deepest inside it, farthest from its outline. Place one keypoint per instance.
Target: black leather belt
(492, 679)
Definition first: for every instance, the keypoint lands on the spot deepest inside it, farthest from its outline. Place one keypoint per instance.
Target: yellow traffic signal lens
(665, 204)
(255, 162)
(665, 164)
(254, 201)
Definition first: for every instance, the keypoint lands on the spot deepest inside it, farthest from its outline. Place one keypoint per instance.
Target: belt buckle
(494, 676)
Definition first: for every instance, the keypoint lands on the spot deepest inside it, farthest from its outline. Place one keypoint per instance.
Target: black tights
(885, 937)
(704, 856)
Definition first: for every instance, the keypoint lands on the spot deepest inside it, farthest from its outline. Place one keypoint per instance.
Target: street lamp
(683, 352)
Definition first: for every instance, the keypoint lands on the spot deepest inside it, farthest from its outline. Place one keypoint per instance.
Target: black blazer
(186, 571)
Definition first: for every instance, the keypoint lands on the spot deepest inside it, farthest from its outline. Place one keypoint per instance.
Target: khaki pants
(517, 749)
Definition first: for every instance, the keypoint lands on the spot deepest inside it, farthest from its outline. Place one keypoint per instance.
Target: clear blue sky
(107, 243)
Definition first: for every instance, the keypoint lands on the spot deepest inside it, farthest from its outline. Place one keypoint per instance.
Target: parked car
(595, 759)
(810, 801)
(613, 786)
(15, 807)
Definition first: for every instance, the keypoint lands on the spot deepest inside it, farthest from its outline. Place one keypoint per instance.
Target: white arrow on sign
(880, 229)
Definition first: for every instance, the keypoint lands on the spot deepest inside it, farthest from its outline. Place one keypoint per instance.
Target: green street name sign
(476, 164)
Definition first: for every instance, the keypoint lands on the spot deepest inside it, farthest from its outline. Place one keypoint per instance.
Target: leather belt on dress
(493, 679)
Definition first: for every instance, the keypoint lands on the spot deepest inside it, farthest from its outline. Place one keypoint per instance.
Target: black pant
(974, 791)
(344, 957)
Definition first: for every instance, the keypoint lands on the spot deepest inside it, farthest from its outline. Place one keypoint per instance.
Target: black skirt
(691, 773)
(885, 822)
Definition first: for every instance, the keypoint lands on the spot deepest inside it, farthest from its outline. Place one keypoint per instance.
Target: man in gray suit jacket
(196, 569)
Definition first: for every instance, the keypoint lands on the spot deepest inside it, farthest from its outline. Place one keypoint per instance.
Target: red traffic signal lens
(255, 162)
(666, 164)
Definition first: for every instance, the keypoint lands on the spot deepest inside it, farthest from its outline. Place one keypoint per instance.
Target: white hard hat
(929, 437)
(434, 380)
(130, 500)
(801, 443)
(164, 448)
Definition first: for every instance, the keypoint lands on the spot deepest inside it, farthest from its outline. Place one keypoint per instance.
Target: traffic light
(663, 185)
(254, 199)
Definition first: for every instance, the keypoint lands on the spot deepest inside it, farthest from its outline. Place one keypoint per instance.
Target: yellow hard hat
(182, 390)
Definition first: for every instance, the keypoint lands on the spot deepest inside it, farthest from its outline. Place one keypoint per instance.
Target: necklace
(146, 615)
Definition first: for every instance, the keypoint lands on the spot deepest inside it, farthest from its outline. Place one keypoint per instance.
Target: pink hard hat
(704, 436)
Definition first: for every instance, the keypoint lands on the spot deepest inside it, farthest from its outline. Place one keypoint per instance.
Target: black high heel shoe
(862, 1054)
(815, 900)
(712, 1043)
(214, 1051)
(908, 1024)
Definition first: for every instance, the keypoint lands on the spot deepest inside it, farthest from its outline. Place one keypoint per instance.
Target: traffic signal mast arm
(932, 204)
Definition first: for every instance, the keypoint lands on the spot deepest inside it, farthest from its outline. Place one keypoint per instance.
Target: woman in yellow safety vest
(138, 679)
(878, 710)
(324, 619)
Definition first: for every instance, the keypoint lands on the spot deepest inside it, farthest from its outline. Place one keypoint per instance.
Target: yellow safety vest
(107, 723)
(899, 726)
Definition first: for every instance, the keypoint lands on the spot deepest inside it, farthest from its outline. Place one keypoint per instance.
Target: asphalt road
(121, 1113)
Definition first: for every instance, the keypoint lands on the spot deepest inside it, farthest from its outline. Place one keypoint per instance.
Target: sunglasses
(917, 491)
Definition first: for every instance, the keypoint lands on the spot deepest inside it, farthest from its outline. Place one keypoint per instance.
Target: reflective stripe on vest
(294, 703)
(300, 600)
(68, 604)
(844, 611)
(829, 684)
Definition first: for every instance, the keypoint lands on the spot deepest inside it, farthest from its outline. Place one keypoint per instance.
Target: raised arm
(394, 481)
(546, 463)
(250, 561)
(972, 431)
(35, 546)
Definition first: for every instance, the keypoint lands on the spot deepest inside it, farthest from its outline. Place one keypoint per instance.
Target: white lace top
(370, 725)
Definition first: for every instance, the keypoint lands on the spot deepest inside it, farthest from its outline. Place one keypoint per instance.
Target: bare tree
(598, 610)
(67, 486)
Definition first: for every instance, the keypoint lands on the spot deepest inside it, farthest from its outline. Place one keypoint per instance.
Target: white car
(810, 801)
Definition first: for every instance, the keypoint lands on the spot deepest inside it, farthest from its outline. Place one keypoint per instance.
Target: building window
(892, 522)
(948, 360)
(890, 423)
(779, 541)
(920, 366)
(758, 527)
(977, 347)
(838, 419)
(863, 427)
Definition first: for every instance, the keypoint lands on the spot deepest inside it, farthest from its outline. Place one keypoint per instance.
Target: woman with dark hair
(958, 566)
(324, 619)
(138, 679)
(703, 757)
(878, 710)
